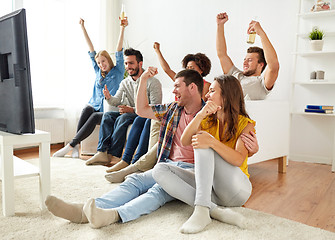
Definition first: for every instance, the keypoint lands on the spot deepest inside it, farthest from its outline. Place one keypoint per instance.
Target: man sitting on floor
(139, 194)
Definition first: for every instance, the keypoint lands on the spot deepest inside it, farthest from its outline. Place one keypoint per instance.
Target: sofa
(272, 131)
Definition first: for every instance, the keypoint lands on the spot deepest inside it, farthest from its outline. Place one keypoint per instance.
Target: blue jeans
(113, 131)
(138, 137)
(139, 194)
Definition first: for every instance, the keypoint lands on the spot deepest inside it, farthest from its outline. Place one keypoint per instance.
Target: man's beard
(249, 72)
(136, 72)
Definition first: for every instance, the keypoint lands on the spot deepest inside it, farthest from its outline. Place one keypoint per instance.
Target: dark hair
(260, 52)
(201, 60)
(233, 105)
(133, 52)
(191, 76)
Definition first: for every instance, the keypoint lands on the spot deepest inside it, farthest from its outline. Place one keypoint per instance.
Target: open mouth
(130, 71)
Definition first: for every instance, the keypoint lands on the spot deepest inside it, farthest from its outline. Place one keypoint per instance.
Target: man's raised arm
(143, 108)
(221, 47)
(271, 73)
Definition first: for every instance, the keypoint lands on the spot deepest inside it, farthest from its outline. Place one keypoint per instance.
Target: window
(61, 72)
(46, 36)
(5, 7)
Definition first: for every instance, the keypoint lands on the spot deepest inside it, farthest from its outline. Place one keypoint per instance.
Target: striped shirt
(169, 115)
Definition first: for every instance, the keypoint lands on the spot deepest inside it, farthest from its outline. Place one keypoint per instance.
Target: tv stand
(13, 167)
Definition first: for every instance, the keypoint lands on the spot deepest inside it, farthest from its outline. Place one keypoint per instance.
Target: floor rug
(73, 181)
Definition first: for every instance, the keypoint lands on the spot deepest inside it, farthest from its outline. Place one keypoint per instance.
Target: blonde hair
(105, 54)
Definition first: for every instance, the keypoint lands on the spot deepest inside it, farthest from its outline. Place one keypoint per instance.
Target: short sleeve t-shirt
(178, 151)
(215, 132)
(253, 86)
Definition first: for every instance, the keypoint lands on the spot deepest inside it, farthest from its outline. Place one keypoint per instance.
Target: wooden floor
(306, 193)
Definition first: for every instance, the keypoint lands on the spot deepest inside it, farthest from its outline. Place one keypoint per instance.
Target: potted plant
(316, 36)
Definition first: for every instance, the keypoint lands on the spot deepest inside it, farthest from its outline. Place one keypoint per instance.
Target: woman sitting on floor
(220, 175)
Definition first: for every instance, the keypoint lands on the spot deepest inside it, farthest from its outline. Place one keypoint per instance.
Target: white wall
(189, 26)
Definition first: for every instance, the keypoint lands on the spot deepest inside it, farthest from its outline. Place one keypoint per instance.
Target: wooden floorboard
(323, 215)
(306, 193)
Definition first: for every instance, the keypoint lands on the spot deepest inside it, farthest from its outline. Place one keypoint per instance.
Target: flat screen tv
(16, 102)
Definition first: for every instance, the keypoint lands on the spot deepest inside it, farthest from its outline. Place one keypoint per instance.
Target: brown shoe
(120, 165)
(100, 158)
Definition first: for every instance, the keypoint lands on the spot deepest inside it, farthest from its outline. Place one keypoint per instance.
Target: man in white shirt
(255, 86)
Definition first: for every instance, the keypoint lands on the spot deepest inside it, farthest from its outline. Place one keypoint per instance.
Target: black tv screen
(16, 102)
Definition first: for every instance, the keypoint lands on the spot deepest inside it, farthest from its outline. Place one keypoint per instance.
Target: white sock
(99, 217)
(75, 151)
(62, 152)
(227, 215)
(198, 221)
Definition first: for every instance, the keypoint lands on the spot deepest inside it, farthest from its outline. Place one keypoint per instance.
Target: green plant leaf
(316, 34)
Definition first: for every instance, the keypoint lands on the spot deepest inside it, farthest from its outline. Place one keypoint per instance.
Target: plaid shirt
(169, 115)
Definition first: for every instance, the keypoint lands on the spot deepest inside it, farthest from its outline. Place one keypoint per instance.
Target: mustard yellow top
(214, 131)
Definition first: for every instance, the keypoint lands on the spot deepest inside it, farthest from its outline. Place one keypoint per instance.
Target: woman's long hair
(233, 105)
(109, 59)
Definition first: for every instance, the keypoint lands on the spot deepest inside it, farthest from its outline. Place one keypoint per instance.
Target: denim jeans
(138, 137)
(113, 131)
(139, 194)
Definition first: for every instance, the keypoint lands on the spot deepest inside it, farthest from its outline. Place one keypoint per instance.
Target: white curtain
(61, 71)
(5, 7)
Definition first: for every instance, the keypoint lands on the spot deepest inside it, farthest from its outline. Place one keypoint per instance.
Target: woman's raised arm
(87, 38)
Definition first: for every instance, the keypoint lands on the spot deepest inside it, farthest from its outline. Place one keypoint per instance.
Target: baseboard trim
(310, 158)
